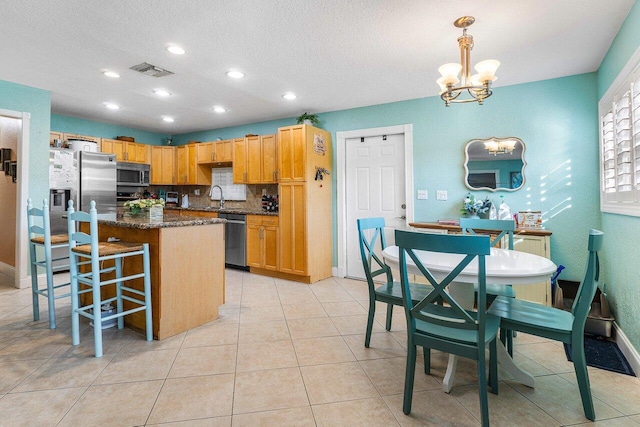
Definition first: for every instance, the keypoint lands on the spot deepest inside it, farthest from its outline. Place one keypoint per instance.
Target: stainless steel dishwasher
(235, 240)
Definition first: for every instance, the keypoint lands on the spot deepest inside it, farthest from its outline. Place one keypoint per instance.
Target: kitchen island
(187, 268)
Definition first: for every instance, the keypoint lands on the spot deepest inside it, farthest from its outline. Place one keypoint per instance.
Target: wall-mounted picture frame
(5, 154)
(6, 165)
(14, 171)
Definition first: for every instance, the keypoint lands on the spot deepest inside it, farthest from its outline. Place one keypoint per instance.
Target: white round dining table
(503, 267)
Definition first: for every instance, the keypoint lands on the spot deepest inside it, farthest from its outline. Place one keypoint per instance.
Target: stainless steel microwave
(132, 174)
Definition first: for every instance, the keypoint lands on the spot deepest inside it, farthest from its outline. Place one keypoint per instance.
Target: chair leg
(482, 388)
(51, 297)
(582, 375)
(34, 283)
(427, 360)
(97, 309)
(119, 306)
(75, 301)
(506, 336)
(389, 315)
(493, 366)
(372, 312)
(408, 378)
(147, 292)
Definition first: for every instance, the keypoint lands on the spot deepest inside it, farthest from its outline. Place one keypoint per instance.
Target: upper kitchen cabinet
(254, 160)
(295, 143)
(189, 171)
(163, 165)
(126, 151)
(214, 152)
(239, 161)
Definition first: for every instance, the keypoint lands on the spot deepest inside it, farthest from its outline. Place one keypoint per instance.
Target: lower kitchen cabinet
(262, 242)
(537, 245)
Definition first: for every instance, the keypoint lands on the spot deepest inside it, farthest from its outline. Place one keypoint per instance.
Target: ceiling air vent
(151, 70)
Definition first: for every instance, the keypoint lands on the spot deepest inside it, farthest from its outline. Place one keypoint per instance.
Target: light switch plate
(441, 195)
(423, 194)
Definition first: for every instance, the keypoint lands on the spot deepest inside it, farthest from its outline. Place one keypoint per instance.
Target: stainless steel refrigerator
(80, 176)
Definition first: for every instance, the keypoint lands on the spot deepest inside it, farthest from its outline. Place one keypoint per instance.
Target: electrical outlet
(441, 195)
(196, 191)
(264, 191)
(423, 194)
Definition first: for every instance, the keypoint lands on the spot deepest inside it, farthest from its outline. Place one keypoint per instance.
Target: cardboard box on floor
(599, 320)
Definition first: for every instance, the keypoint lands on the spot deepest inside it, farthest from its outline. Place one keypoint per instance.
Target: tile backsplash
(253, 202)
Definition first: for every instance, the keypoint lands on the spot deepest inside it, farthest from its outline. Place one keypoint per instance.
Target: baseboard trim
(627, 349)
(7, 269)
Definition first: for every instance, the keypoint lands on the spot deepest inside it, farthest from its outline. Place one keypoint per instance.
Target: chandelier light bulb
(487, 69)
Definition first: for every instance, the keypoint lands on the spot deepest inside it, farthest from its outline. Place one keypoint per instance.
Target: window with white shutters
(619, 111)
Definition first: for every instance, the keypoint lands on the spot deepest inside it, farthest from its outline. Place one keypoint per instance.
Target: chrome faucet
(221, 195)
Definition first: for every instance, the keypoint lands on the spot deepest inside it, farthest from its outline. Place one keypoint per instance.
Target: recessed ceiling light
(175, 49)
(168, 119)
(161, 92)
(112, 74)
(289, 96)
(235, 74)
(111, 106)
(219, 109)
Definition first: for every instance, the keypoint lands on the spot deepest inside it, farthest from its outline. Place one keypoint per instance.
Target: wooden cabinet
(239, 161)
(262, 242)
(537, 245)
(306, 246)
(215, 152)
(126, 151)
(189, 172)
(254, 160)
(292, 149)
(163, 163)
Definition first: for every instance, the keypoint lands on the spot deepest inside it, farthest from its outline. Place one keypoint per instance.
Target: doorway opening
(13, 197)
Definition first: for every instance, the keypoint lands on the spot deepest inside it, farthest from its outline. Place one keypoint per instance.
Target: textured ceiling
(334, 54)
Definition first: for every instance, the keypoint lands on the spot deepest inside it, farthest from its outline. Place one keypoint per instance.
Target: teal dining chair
(440, 322)
(560, 325)
(85, 250)
(41, 246)
(503, 228)
(372, 237)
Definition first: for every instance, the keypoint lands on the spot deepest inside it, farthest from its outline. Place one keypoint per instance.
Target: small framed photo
(6, 165)
(14, 171)
(5, 154)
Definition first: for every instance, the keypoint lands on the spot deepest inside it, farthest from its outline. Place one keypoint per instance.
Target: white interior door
(375, 187)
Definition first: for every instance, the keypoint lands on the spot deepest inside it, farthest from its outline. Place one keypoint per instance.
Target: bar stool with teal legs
(41, 244)
(86, 250)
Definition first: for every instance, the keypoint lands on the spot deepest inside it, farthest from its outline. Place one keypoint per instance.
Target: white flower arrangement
(137, 205)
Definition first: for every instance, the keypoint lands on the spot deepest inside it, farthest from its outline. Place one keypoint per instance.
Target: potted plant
(308, 119)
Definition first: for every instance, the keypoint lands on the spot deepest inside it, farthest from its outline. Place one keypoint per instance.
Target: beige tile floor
(281, 354)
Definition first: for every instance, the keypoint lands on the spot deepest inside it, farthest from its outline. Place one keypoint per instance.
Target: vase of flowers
(138, 206)
(472, 207)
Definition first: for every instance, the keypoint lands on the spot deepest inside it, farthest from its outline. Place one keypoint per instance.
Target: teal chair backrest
(77, 237)
(506, 227)
(430, 309)
(371, 262)
(587, 290)
(38, 221)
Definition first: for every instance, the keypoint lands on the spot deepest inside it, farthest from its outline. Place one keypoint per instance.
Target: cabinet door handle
(213, 156)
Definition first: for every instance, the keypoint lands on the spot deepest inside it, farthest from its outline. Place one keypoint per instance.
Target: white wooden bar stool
(85, 249)
(41, 243)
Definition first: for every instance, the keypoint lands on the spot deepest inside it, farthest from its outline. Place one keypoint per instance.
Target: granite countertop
(225, 210)
(144, 222)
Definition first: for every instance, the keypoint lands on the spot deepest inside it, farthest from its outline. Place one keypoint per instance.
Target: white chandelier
(502, 146)
(473, 88)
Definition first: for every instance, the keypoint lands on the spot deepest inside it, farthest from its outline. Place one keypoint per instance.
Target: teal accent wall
(60, 123)
(620, 249)
(37, 102)
(556, 119)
